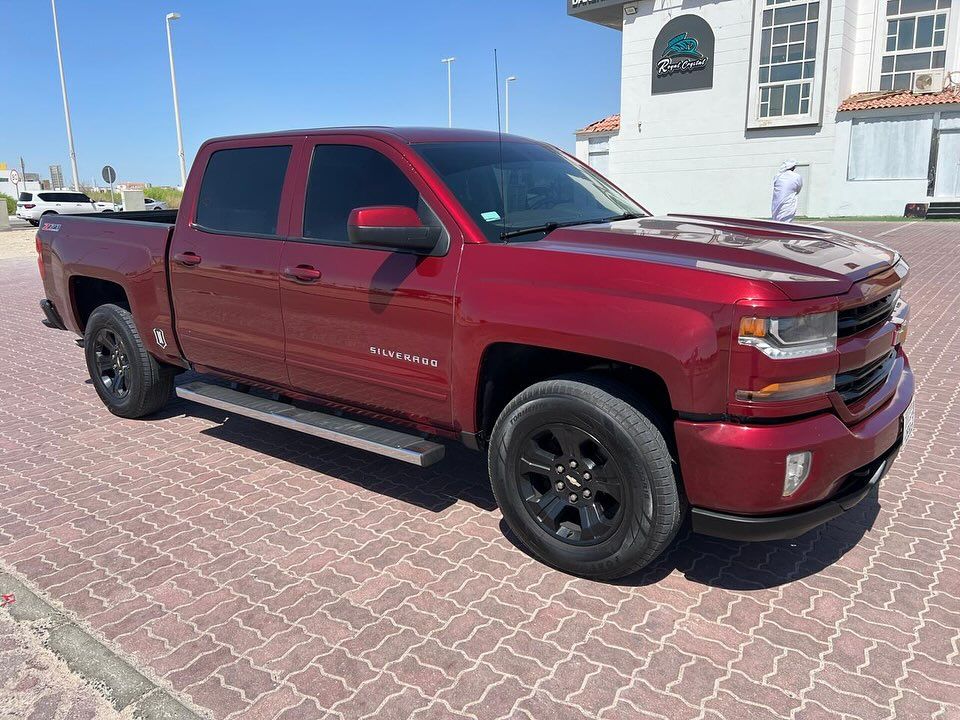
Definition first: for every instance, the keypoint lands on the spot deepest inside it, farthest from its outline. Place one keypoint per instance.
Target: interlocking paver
(263, 574)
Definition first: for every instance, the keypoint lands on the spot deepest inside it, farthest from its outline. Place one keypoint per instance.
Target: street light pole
(176, 101)
(506, 86)
(449, 63)
(66, 104)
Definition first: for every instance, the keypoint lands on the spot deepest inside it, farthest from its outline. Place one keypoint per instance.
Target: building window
(789, 38)
(788, 51)
(916, 40)
(598, 156)
(890, 148)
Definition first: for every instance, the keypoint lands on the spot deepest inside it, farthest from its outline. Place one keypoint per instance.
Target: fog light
(798, 469)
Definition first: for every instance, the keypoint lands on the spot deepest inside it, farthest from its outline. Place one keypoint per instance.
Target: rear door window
(48, 197)
(241, 188)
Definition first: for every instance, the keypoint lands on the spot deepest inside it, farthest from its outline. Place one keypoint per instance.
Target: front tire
(128, 379)
(584, 477)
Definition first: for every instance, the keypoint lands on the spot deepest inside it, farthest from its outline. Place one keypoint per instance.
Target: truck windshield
(544, 188)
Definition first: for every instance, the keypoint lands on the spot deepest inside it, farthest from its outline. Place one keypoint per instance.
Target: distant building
(715, 94)
(56, 177)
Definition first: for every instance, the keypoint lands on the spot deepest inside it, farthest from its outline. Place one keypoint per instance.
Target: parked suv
(31, 206)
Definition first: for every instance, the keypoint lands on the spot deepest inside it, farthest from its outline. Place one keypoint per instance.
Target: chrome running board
(390, 443)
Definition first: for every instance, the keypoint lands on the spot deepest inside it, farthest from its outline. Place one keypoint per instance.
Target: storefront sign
(683, 55)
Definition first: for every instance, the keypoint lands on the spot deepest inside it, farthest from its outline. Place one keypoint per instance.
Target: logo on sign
(681, 55)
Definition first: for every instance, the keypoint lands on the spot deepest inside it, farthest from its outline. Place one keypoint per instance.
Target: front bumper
(733, 473)
(784, 527)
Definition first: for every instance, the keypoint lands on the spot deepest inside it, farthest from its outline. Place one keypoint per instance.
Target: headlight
(791, 337)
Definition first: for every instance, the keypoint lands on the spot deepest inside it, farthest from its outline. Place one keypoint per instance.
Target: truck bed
(128, 250)
(165, 217)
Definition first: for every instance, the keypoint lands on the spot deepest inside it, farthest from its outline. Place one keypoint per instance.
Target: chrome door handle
(187, 258)
(302, 273)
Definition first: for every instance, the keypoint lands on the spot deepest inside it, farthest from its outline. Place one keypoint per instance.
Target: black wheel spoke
(569, 438)
(104, 363)
(547, 508)
(593, 523)
(609, 486)
(537, 460)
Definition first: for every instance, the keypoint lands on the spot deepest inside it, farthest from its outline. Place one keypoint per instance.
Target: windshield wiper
(551, 226)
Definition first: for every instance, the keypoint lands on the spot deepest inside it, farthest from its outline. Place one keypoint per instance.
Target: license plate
(909, 420)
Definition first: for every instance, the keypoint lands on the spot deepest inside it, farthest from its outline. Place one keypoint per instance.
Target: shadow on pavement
(742, 566)
(462, 475)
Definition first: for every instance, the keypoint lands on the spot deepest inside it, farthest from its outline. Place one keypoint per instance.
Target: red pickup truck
(382, 287)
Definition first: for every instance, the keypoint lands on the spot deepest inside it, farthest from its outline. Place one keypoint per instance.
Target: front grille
(857, 319)
(860, 382)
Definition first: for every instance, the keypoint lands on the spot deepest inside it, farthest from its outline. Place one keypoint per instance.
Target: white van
(33, 205)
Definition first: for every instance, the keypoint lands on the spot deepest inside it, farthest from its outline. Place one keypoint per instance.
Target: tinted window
(26, 197)
(344, 177)
(63, 197)
(240, 192)
(541, 185)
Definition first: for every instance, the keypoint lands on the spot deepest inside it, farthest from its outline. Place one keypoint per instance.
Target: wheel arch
(507, 368)
(87, 293)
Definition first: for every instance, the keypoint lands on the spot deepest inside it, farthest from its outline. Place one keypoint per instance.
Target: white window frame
(813, 116)
(880, 39)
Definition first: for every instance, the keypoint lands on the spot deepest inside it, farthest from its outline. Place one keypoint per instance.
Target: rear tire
(584, 477)
(128, 379)
(35, 223)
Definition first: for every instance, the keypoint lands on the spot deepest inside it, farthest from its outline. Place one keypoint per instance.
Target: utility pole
(66, 104)
(176, 101)
(449, 63)
(506, 87)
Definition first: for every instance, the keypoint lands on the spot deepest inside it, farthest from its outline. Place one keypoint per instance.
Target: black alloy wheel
(113, 363)
(570, 484)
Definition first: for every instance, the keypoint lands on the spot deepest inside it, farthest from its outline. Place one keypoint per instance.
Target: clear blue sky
(253, 66)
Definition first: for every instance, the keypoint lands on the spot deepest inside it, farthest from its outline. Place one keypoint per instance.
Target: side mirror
(393, 227)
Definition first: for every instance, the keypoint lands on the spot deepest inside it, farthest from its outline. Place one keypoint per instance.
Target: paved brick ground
(263, 574)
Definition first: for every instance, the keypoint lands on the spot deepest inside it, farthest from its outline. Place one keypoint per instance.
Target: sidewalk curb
(89, 658)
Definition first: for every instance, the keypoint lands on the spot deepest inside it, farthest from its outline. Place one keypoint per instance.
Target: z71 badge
(51, 227)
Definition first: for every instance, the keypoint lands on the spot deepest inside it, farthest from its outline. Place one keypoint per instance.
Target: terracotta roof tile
(608, 124)
(897, 99)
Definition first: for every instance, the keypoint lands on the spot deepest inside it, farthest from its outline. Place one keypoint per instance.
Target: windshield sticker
(490, 216)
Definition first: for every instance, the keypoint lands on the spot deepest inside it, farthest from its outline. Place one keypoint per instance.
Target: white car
(33, 205)
(148, 204)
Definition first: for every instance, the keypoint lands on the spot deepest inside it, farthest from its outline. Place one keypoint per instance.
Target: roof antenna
(503, 194)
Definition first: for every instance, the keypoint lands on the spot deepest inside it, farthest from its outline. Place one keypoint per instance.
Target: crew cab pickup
(392, 288)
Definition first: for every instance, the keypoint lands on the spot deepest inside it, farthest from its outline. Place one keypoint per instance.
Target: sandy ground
(17, 243)
(36, 685)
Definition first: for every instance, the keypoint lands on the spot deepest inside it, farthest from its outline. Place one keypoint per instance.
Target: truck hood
(804, 261)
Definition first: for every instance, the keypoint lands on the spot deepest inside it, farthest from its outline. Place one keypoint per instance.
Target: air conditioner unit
(928, 81)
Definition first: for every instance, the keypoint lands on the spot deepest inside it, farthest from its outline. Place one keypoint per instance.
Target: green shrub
(11, 203)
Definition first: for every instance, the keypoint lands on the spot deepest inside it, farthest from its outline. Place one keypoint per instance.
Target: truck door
(224, 259)
(367, 327)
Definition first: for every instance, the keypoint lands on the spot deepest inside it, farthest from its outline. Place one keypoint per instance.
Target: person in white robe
(786, 190)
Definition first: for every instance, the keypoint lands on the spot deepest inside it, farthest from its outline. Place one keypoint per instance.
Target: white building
(715, 94)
